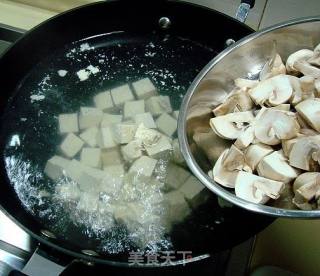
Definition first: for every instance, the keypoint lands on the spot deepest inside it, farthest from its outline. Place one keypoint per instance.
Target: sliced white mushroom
(317, 87)
(301, 153)
(282, 107)
(297, 91)
(307, 69)
(307, 87)
(274, 91)
(287, 146)
(310, 189)
(276, 167)
(302, 122)
(231, 126)
(245, 138)
(304, 178)
(307, 132)
(255, 153)
(310, 111)
(275, 125)
(277, 68)
(257, 189)
(315, 59)
(245, 83)
(303, 54)
(235, 160)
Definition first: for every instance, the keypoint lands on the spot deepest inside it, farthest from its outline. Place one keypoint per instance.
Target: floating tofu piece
(194, 191)
(146, 119)
(144, 165)
(159, 149)
(91, 157)
(121, 94)
(68, 191)
(157, 105)
(132, 150)
(123, 133)
(88, 202)
(115, 170)
(175, 114)
(105, 138)
(176, 176)
(68, 123)
(90, 136)
(113, 180)
(71, 145)
(144, 88)
(178, 208)
(89, 117)
(110, 119)
(111, 157)
(74, 169)
(90, 179)
(166, 124)
(55, 167)
(104, 101)
(132, 108)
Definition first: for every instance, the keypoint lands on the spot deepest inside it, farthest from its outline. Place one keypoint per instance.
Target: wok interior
(245, 61)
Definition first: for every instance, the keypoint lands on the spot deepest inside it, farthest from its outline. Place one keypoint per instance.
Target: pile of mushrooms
(274, 125)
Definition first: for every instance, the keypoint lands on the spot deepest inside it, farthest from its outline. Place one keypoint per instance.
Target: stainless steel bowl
(244, 59)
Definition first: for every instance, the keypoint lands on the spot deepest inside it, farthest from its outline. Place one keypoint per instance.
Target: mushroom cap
(275, 125)
(307, 69)
(302, 54)
(231, 126)
(255, 188)
(276, 90)
(310, 111)
(275, 166)
(304, 178)
(255, 153)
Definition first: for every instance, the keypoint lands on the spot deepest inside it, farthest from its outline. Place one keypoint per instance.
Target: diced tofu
(91, 157)
(175, 114)
(157, 105)
(89, 117)
(104, 101)
(177, 155)
(176, 176)
(55, 166)
(110, 119)
(106, 139)
(166, 124)
(68, 123)
(144, 165)
(90, 136)
(159, 149)
(178, 208)
(147, 136)
(68, 191)
(194, 191)
(146, 119)
(74, 169)
(132, 150)
(71, 145)
(123, 133)
(90, 179)
(115, 170)
(111, 157)
(113, 181)
(121, 94)
(88, 202)
(144, 88)
(132, 108)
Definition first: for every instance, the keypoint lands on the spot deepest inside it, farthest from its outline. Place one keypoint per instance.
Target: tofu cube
(110, 119)
(176, 176)
(166, 124)
(68, 123)
(121, 94)
(104, 101)
(144, 88)
(157, 105)
(113, 180)
(194, 191)
(178, 208)
(159, 149)
(74, 170)
(123, 133)
(89, 136)
(71, 145)
(111, 157)
(144, 165)
(115, 170)
(68, 191)
(88, 202)
(132, 150)
(90, 180)
(146, 135)
(175, 114)
(146, 119)
(55, 167)
(91, 157)
(105, 138)
(89, 117)
(132, 108)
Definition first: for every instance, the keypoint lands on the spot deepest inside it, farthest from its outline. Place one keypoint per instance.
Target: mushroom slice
(301, 153)
(307, 69)
(303, 54)
(301, 203)
(310, 111)
(275, 125)
(307, 87)
(221, 175)
(257, 189)
(304, 178)
(310, 189)
(276, 90)
(317, 87)
(245, 83)
(275, 166)
(231, 126)
(287, 146)
(277, 68)
(282, 107)
(235, 160)
(307, 132)
(245, 139)
(237, 101)
(255, 153)
(297, 90)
